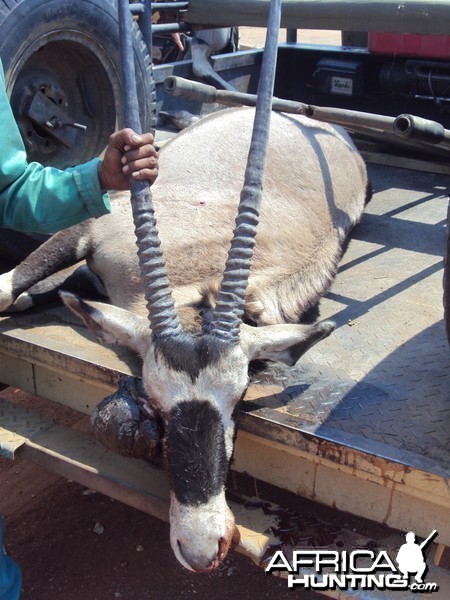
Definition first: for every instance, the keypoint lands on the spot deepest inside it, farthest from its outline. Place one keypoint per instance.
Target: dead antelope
(315, 191)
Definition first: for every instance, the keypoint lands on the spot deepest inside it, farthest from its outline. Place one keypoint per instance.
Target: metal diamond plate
(384, 374)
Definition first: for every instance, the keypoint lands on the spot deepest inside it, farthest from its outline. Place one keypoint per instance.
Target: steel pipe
(401, 16)
(404, 126)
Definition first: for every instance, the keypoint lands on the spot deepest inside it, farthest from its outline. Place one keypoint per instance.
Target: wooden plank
(76, 456)
(71, 390)
(377, 461)
(410, 16)
(65, 387)
(16, 372)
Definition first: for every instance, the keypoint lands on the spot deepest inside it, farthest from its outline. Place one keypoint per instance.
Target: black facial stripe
(189, 354)
(195, 452)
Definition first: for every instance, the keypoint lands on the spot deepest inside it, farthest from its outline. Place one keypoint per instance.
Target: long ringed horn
(163, 316)
(230, 302)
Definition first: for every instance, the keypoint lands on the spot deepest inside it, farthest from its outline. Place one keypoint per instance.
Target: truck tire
(62, 65)
(447, 278)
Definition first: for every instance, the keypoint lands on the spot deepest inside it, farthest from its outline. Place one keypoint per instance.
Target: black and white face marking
(190, 355)
(185, 368)
(195, 385)
(195, 454)
(201, 524)
(197, 463)
(196, 393)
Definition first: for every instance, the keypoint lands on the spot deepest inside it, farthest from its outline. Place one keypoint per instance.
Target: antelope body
(315, 191)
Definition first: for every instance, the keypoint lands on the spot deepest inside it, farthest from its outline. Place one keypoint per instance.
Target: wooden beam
(79, 457)
(408, 16)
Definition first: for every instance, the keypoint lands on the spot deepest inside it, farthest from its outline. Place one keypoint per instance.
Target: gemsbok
(196, 356)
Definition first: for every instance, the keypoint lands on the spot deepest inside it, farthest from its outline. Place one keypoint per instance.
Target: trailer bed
(361, 424)
(375, 396)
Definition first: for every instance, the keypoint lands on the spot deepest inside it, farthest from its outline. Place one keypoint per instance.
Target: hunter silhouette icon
(410, 556)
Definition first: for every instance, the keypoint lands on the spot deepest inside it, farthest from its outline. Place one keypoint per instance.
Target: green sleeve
(37, 198)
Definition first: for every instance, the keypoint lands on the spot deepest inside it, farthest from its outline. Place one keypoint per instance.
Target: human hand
(128, 154)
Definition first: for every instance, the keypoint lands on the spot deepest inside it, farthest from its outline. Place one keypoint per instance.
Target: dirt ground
(75, 544)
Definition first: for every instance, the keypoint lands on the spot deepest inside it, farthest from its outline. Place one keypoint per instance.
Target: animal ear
(111, 325)
(282, 343)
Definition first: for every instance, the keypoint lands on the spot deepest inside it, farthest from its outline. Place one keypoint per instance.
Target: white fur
(222, 384)
(6, 290)
(198, 530)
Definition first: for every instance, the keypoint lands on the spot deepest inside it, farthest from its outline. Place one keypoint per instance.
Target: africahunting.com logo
(362, 569)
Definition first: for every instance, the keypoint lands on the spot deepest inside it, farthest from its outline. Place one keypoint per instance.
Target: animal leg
(60, 251)
(78, 279)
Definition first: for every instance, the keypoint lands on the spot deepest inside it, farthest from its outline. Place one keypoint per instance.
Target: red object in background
(408, 44)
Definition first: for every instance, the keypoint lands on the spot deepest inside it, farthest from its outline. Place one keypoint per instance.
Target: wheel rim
(64, 70)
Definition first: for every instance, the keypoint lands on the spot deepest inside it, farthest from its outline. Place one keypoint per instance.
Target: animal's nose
(198, 562)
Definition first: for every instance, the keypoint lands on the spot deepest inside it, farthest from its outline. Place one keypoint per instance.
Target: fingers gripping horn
(161, 307)
(230, 302)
